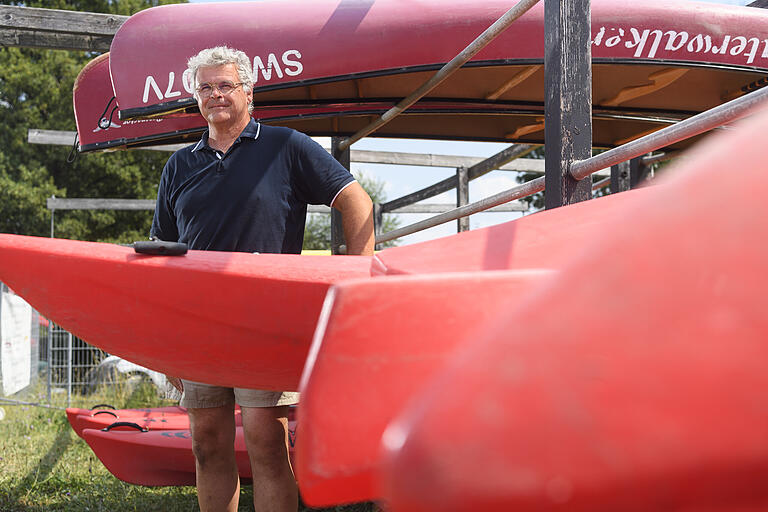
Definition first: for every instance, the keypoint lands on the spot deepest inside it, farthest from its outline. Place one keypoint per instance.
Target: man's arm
(357, 218)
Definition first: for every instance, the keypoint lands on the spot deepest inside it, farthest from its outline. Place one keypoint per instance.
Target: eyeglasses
(225, 88)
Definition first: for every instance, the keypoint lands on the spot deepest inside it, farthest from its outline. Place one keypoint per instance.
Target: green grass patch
(46, 467)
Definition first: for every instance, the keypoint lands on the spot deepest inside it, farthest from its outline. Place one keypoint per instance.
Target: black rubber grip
(158, 247)
(124, 424)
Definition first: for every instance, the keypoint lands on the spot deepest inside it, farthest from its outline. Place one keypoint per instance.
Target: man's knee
(212, 438)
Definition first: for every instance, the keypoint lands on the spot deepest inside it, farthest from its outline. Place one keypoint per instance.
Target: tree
(317, 233)
(36, 92)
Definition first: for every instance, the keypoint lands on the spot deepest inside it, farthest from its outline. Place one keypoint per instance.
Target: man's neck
(221, 137)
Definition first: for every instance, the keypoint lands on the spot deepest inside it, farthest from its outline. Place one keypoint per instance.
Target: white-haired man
(245, 187)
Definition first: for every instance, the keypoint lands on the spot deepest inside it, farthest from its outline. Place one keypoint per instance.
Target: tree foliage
(317, 233)
(36, 92)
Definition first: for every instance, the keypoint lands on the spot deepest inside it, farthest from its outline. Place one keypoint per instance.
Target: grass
(45, 466)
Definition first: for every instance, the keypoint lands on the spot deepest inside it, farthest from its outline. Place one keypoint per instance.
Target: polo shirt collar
(251, 131)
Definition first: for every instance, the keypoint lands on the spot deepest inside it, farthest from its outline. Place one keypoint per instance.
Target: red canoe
(98, 126)
(156, 418)
(251, 314)
(160, 457)
(634, 382)
(654, 62)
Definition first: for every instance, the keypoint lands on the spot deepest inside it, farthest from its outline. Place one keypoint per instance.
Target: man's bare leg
(213, 443)
(266, 436)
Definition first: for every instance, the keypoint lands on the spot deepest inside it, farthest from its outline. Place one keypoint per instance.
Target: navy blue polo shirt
(253, 198)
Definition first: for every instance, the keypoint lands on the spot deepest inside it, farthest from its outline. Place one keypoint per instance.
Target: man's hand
(176, 382)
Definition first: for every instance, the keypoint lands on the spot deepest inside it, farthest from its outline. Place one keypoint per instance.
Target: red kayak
(160, 457)
(251, 314)
(157, 418)
(635, 381)
(451, 288)
(654, 62)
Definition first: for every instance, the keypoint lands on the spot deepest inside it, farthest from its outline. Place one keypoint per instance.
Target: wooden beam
(532, 165)
(57, 29)
(568, 100)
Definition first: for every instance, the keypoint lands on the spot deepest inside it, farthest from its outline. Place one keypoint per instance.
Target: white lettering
(266, 71)
(641, 39)
(614, 40)
(186, 81)
(753, 51)
(150, 81)
(672, 44)
(741, 43)
(765, 49)
(168, 92)
(723, 48)
(699, 43)
(599, 37)
(292, 67)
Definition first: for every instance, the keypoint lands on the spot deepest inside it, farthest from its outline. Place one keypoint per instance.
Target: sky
(401, 180)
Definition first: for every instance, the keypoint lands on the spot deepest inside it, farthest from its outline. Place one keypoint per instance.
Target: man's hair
(220, 56)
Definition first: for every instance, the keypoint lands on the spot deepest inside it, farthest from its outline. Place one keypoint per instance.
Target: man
(245, 187)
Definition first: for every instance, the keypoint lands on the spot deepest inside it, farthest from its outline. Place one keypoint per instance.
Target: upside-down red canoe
(161, 457)
(654, 63)
(98, 127)
(253, 314)
(633, 382)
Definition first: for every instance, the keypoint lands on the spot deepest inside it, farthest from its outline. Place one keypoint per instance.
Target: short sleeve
(318, 176)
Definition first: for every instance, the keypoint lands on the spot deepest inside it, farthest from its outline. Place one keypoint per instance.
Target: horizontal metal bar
(55, 203)
(690, 127)
(462, 58)
(524, 190)
(489, 164)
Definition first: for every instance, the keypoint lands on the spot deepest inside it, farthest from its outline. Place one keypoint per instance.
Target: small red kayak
(160, 457)
(158, 418)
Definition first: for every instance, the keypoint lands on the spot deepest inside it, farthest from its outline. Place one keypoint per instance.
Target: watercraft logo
(273, 66)
(647, 43)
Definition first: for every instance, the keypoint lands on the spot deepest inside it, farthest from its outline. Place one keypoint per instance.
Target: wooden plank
(531, 165)
(57, 29)
(462, 196)
(568, 100)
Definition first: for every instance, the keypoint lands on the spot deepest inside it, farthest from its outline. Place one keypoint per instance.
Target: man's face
(219, 108)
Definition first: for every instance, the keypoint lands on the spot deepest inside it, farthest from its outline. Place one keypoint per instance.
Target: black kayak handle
(124, 424)
(104, 412)
(161, 248)
(97, 406)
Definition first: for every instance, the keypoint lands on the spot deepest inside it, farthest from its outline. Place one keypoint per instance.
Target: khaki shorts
(201, 396)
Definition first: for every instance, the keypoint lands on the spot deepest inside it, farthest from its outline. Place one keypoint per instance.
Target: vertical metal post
(337, 230)
(620, 177)
(69, 368)
(568, 98)
(378, 222)
(462, 197)
(50, 358)
(638, 172)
